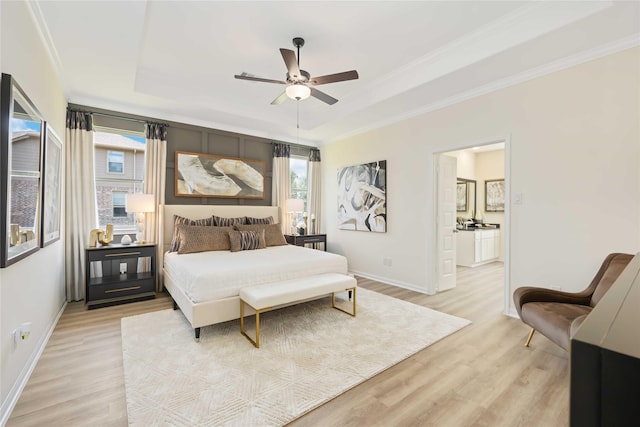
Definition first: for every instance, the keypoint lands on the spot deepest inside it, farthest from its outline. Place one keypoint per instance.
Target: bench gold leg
(256, 342)
(530, 336)
(353, 310)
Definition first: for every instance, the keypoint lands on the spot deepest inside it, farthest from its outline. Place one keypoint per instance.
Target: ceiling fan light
(298, 91)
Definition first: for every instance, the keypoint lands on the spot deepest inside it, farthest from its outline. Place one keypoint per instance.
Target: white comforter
(206, 276)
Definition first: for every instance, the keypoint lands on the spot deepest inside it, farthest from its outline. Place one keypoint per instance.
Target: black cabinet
(307, 239)
(123, 278)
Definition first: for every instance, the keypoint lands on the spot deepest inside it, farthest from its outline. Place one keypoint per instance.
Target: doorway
(482, 226)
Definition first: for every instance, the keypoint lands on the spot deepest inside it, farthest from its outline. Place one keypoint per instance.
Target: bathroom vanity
(477, 245)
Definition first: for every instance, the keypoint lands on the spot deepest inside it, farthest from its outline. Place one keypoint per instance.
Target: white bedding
(206, 276)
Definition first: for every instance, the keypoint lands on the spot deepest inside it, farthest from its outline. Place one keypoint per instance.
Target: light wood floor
(480, 376)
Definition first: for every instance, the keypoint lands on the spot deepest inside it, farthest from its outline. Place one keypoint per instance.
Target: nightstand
(120, 281)
(312, 239)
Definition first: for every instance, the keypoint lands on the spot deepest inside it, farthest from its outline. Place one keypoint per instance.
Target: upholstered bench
(264, 297)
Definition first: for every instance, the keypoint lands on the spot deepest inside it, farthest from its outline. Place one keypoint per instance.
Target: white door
(446, 222)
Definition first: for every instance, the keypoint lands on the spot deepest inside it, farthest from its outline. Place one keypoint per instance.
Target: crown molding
(531, 21)
(552, 67)
(47, 41)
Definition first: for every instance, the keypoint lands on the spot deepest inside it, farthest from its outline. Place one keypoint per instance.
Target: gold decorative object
(93, 237)
(99, 236)
(27, 235)
(107, 237)
(15, 234)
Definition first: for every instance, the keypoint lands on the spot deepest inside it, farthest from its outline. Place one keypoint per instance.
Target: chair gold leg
(530, 336)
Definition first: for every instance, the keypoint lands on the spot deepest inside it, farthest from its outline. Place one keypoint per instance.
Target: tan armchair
(557, 315)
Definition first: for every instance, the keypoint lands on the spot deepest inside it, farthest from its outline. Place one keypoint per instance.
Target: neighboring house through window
(115, 162)
(119, 170)
(298, 166)
(119, 204)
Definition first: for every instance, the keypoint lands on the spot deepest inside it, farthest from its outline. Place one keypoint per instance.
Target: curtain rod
(116, 116)
(292, 144)
(128, 118)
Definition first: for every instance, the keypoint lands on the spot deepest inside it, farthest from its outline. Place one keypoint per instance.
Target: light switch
(517, 198)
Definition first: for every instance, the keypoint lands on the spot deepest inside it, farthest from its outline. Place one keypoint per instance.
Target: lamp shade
(298, 91)
(294, 205)
(140, 203)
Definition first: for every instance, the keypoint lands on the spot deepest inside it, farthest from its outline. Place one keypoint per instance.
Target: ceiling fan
(300, 84)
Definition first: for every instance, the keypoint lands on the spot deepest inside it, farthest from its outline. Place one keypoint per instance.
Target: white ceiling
(176, 60)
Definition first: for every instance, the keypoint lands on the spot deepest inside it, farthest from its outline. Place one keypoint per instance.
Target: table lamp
(294, 206)
(139, 204)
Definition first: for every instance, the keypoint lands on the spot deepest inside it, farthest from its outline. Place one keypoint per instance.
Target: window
(298, 167)
(115, 162)
(113, 180)
(119, 204)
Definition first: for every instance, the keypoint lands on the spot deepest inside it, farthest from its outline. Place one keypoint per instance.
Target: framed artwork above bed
(209, 175)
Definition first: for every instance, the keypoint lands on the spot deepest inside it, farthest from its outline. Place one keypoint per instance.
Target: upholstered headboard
(203, 211)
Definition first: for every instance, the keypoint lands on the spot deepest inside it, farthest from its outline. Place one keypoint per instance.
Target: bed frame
(216, 311)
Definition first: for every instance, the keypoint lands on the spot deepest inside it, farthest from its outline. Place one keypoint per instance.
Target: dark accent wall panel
(223, 145)
(194, 139)
(197, 139)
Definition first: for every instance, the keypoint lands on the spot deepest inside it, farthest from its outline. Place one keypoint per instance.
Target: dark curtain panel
(281, 150)
(156, 131)
(79, 120)
(314, 155)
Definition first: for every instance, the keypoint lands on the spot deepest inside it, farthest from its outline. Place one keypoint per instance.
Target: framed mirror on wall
(22, 135)
(466, 198)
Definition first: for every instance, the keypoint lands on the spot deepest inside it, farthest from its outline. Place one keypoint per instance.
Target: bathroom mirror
(21, 141)
(466, 198)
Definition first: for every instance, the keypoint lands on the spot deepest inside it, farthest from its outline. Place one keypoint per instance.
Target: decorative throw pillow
(177, 220)
(246, 240)
(200, 238)
(219, 221)
(272, 233)
(265, 220)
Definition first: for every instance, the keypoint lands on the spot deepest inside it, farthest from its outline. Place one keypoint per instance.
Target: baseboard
(512, 313)
(15, 392)
(391, 282)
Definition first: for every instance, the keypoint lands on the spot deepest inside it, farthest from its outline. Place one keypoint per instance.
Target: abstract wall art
(206, 175)
(362, 197)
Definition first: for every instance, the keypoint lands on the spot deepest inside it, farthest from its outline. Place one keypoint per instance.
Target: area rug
(309, 353)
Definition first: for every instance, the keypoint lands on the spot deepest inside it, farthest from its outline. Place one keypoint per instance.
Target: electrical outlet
(25, 330)
(123, 268)
(388, 262)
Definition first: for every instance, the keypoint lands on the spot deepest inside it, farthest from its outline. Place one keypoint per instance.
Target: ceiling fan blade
(334, 78)
(280, 99)
(323, 96)
(245, 76)
(291, 62)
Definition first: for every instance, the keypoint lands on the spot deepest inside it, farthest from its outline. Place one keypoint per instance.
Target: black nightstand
(116, 288)
(312, 239)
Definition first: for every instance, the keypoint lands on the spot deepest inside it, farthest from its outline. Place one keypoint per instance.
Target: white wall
(490, 165)
(31, 290)
(574, 155)
(466, 163)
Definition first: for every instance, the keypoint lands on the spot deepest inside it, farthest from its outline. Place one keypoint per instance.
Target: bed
(205, 285)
